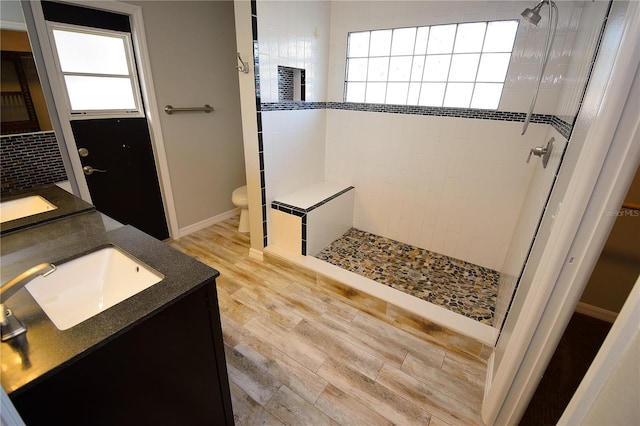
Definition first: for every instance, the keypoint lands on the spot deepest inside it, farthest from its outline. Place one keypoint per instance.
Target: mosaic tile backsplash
(30, 159)
(461, 287)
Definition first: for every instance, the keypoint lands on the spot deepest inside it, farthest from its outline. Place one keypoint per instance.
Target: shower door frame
(595, 183)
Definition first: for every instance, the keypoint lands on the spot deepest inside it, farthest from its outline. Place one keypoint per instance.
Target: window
(97, 70)
(454, 65)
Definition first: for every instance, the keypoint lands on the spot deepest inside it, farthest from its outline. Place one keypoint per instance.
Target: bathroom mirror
(28, 145)
(18, 109)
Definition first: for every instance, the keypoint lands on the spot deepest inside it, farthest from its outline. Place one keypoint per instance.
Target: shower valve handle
(544, 152)
(538, 151)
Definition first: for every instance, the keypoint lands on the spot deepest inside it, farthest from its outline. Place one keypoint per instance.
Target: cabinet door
(165, 371)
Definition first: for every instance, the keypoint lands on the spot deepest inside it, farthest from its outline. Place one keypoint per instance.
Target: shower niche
(291, 84)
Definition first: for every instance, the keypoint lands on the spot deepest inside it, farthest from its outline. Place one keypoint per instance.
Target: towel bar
(171, 109)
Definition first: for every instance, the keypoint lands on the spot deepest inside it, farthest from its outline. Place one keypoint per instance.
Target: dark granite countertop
(45, 350)
(66, 203)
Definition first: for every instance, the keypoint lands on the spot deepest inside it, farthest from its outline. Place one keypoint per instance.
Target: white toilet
(239, 199)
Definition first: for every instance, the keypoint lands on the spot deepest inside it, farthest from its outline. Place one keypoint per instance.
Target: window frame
(424, 57)
(132, 75)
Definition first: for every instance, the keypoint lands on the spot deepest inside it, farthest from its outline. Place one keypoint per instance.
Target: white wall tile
(287, 35)
(474, 187)
(285, 230)
(294, 150)
(328, 222)
(586, 22)
(527, 220)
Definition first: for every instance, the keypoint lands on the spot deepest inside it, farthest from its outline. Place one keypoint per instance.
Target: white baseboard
(596, 312)
(182, 232)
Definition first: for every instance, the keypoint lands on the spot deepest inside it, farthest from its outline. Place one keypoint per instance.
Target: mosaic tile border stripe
(485, 114)
(562, 126)
(292, 106)
(559, 124)
(302, 213)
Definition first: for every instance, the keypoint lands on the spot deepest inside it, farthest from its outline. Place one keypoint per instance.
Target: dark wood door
(128, 188)
(124, 182)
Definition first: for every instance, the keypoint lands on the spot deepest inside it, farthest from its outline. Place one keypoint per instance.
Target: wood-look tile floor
(300, 354)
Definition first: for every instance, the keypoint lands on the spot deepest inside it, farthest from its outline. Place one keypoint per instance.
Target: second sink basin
(88, 285)
(23, 207)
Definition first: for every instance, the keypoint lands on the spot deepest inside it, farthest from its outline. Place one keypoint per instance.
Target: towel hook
(244, 67)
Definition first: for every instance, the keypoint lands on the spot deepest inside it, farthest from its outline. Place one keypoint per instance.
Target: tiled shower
(449, 180)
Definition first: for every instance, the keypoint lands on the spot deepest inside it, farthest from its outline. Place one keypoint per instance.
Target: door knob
(544, 152)
(88, 170)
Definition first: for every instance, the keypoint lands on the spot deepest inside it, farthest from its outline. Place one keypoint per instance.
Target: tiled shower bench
(306, 221)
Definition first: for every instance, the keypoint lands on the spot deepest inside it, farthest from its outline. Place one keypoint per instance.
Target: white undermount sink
(79, 289)
(23, 207)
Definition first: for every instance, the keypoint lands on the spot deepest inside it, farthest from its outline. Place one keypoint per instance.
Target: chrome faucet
(12, 326)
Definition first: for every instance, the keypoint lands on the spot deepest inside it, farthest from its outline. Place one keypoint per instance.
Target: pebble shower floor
(459, 286)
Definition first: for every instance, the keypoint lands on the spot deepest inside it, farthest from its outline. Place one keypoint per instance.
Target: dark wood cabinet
(167, 370)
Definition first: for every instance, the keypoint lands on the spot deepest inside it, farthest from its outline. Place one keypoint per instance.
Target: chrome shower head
(533, 15)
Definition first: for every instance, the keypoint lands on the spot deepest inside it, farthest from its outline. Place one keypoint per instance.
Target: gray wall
(192, 49)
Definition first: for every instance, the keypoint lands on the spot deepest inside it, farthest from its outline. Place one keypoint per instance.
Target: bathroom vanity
(154, 358)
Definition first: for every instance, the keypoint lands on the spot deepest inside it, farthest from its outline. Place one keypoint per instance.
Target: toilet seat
(239, 199)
